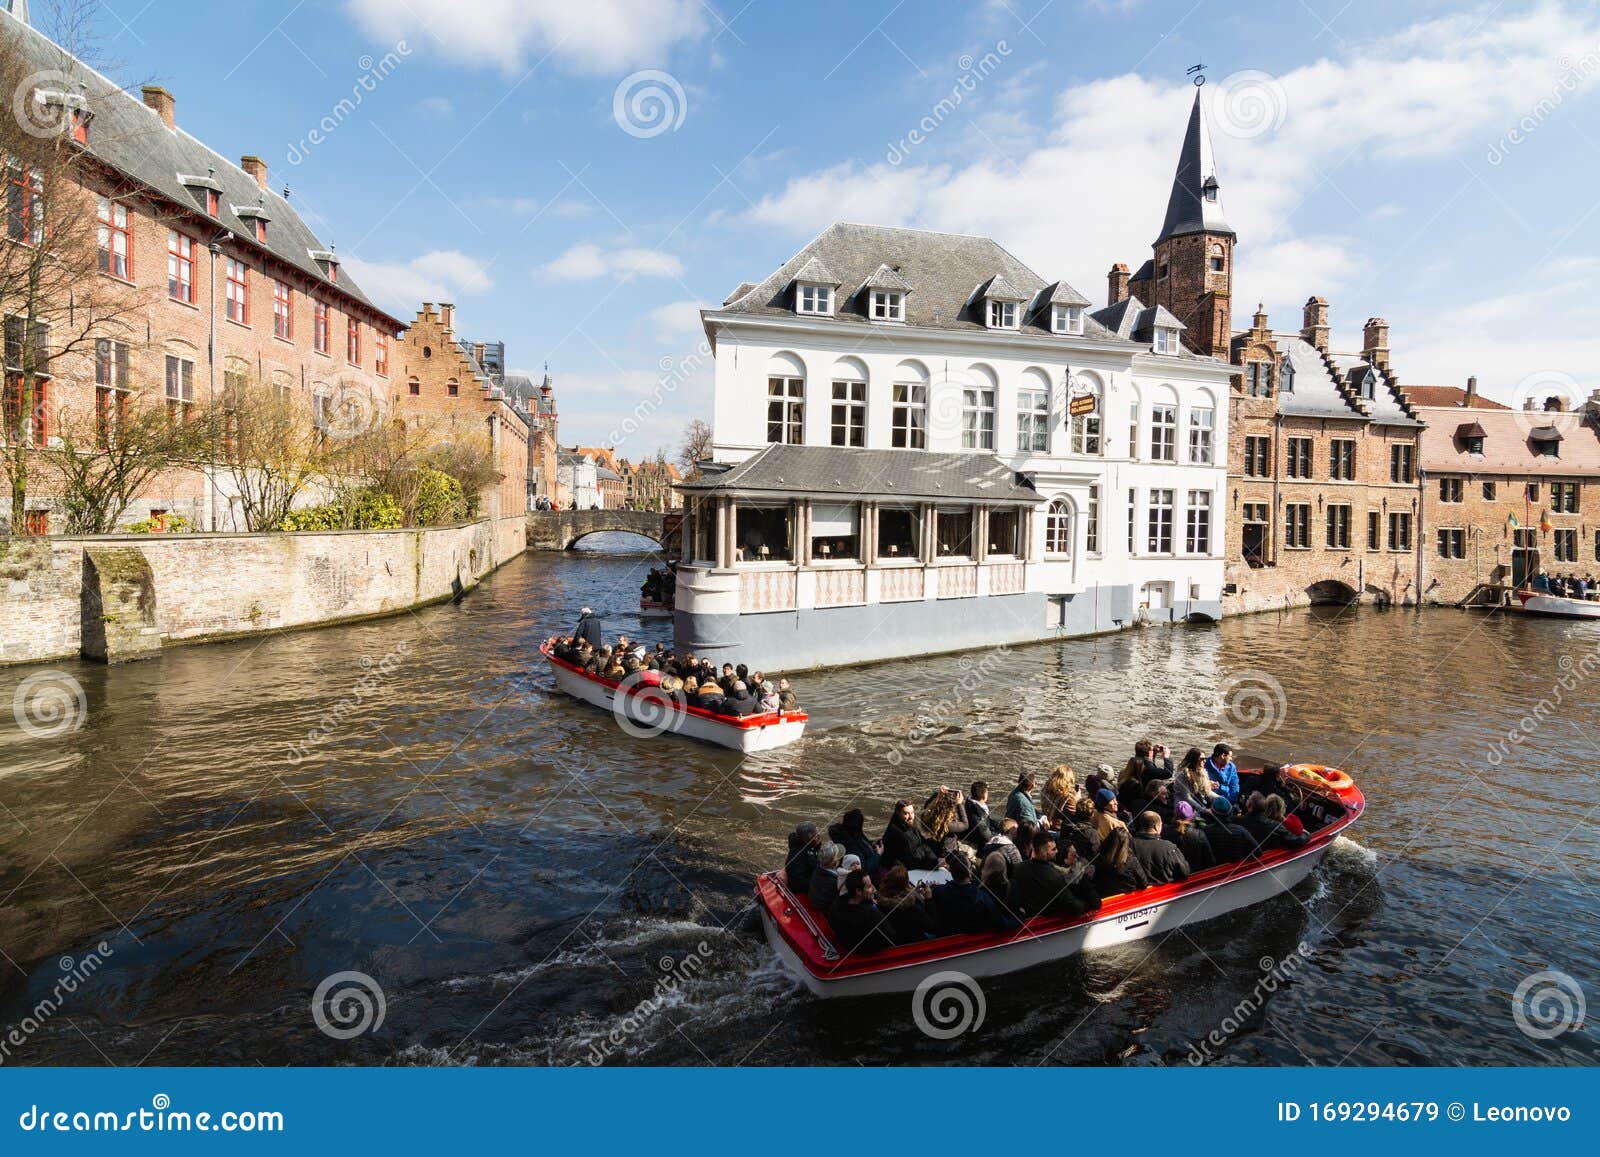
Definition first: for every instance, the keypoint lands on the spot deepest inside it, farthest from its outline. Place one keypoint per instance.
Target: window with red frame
(261, 230)
(180, 267)
(36, 523)
(282, 311)
(453, 388)
(319, 326)
(116, 239)
(238, 292)
(380, 355)
(180, 388)
(80, 126)
(24, 204)
(36, 429)
(352, 342)
(213, 202)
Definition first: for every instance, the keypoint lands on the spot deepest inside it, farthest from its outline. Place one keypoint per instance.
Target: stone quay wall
(121, 597)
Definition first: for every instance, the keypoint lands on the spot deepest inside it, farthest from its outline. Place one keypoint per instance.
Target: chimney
(1472, 391)
(1117, 284)
(1315, 329)
(162, 101)
(1259, 322)
(256, 167)
(447, 315)
(1375, 342)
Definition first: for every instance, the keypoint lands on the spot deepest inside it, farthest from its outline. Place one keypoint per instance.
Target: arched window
(786, 400)
(1058, 527)
(413, 386)
(453, 388)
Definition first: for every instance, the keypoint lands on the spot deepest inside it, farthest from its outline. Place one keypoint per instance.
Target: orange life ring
(1319, 776)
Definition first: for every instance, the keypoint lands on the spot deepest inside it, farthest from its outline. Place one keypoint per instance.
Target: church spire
(1195, 205)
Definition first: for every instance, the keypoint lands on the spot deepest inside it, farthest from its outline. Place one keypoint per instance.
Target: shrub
(161, 524)
(364, 510)
(439, 498)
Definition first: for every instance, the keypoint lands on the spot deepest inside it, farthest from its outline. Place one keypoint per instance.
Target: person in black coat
(1116, 868)
(981, 827)
(1229, 842)
(739, 702)
(1078, 831)
(904, 844)
(1189, 838)
(850, 834)
(963, 906)
(1042, 887)
(804, 842)
(856, 919)
(588, 629)
(1160, 859)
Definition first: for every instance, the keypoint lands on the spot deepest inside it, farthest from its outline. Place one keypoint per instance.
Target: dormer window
(1474, 444)
(261, 230)
(888, 305)
(814, 299)
(1210, 189)
(213, 202)
(1286, 376)
(1002, 314)
(1369, 386)
(1166, 340)
(1066, 319)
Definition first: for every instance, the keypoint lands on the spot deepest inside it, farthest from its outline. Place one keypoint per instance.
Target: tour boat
(646, 711)
(1539, 603)
(800, 935)
(652, 609)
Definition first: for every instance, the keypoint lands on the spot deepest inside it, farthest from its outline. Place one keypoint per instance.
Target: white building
(896, 470)
(577, 475)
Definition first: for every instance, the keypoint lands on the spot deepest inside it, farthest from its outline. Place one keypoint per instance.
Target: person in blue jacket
(1222, 773)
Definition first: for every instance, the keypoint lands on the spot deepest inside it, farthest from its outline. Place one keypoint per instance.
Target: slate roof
(1132, 319)
(852, 472)
(940, 268)
(1387, 406)
(813, 272)
(130, 138)
(1329, 386)
(1060, 293)
(1188, 210)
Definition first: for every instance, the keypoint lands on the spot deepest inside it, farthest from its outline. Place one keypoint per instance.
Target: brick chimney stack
(1315, 329)
(1375, 342)
(163, 102)
(1117, 284)
(1472, 391)
(447, 314)
(256, 167)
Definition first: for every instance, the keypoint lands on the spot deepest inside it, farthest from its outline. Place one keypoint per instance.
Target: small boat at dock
(646, 711)
(652, 609)
(1540, 603)
(800, 935)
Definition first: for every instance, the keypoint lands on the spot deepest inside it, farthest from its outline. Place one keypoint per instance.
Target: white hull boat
(649, 609)
(800, 935)
(646, 712)
(1534, 603)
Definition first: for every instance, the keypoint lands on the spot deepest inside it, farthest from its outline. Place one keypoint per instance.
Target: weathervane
(1198, 72)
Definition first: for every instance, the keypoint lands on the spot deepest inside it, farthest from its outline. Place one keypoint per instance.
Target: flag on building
(1545, 525)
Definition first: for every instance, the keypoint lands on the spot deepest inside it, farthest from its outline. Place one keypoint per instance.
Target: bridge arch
(572, 544)
(1332, 592)
(564, 529)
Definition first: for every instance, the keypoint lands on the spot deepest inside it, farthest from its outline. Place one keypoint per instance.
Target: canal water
(518, 882)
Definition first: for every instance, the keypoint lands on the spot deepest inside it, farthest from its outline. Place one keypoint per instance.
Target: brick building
(440, 383)
(537, 405)
(650, 484)
(1322, 498)
(221, 279)
(1508, 492)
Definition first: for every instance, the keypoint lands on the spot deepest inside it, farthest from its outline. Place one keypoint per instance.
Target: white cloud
(436, 106)
(586, 262)
(401, 286)
(678, 320)
(597, 36)
(1094, 191)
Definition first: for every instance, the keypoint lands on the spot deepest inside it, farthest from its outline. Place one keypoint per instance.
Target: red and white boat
(652, 609)
(645, 711)
(800, 935)
(1539, 603)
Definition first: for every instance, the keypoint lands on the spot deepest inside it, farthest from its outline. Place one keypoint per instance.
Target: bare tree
(695, 447)
(60, 237)
(276, 445)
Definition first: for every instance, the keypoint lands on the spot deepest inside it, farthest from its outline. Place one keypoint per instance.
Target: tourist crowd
(733, 690)
(1059, 852)
(1568, 586)
(659, 586)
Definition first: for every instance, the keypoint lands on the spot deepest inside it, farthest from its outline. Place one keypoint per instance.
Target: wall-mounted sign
(1082, 404)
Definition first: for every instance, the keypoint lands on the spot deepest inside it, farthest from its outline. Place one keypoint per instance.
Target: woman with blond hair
(1059, 795)
(1191, 785)
(944, 818)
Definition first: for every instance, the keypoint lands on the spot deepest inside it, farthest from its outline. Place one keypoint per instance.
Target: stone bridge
(562, 529)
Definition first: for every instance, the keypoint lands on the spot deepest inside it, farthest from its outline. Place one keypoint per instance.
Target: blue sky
(1436, 164)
